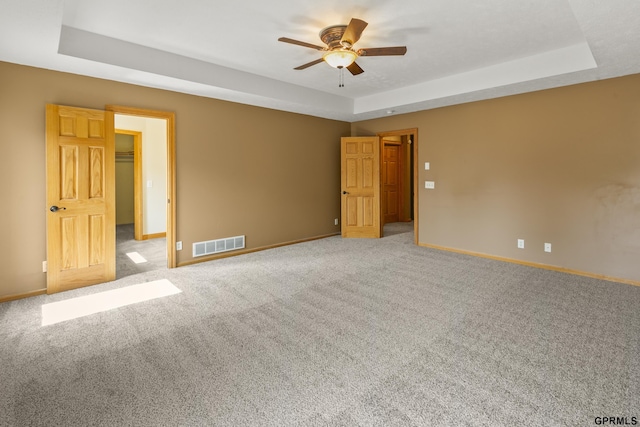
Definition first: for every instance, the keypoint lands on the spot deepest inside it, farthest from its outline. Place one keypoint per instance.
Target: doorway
(145, 241)
(398, 180)
(80, 176)
(138, 208)
(362, 166)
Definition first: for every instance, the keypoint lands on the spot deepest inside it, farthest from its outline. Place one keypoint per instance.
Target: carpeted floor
(334, 332)
(154, 251)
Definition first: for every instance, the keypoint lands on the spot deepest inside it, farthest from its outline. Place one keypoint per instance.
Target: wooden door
(391, 183)
(360, 169)
(80, 197)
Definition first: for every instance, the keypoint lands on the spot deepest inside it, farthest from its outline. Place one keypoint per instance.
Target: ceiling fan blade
(383, 51)
(309, 64)
(299, 43)
(355, 69)
(353, 32)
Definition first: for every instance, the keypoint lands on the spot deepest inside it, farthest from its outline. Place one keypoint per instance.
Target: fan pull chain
(341, 81)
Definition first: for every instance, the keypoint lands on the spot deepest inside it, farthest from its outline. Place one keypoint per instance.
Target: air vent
(216, 246)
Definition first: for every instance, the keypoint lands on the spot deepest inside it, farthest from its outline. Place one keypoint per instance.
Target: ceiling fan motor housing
(332, 35)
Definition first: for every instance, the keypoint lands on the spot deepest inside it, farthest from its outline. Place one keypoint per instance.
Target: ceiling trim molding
(548, 64)
(107, 50)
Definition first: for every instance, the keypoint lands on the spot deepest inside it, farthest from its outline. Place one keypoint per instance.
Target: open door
(80, 197)
(391, 182)
(360, 169)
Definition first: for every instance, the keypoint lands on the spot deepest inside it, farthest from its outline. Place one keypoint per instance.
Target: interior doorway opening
(145, 241)
(140, 209)
(398, 180)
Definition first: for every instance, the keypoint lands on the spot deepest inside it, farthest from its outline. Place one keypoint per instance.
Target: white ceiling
(458, 50)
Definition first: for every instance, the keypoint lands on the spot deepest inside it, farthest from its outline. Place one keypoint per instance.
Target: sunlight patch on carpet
(74, 308)
(136, 257)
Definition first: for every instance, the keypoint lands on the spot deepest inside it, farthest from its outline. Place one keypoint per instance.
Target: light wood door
(360, 168)
(391, 183)
(80, 197)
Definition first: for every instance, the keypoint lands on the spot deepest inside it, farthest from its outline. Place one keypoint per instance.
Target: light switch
(149, 184)
(430, 185)
(426, 166)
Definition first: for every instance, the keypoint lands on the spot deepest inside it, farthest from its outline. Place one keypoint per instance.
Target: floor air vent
(217, 246)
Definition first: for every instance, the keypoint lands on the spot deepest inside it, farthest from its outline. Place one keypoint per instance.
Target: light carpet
(334, 332)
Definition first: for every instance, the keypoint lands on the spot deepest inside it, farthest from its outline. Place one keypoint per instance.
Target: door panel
(360, 160)
(96, 172)
(68, 173)
(80, 181)
(96, 239)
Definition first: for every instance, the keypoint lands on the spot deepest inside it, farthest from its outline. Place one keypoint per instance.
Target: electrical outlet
(430, 185)
(44, 266)
(547, 247)
(520, 243)
(427, 166)
(335, 221)
(179, 246)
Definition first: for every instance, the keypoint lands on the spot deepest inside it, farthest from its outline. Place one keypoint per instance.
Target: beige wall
(271, 175)
(559, 166)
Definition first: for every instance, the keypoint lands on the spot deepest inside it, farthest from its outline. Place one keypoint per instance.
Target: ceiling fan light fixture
(339, 52)
(340, 58)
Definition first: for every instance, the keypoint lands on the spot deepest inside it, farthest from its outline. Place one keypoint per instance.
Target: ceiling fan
(339, 51)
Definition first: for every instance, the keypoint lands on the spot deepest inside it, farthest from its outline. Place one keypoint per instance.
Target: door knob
(56, 209)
